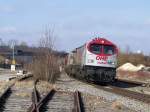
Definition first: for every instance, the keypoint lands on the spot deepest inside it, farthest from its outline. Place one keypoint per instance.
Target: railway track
(123, 92)
(53, 101)
(14, 103)
(14, 99)
(56, 101)
(115, 88)
(143, 84)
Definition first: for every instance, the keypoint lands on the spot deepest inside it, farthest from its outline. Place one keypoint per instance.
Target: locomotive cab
(100, 49)
(101, 52)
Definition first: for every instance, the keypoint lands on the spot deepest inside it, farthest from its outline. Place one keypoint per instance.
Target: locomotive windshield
(95, 48)
(108, 49)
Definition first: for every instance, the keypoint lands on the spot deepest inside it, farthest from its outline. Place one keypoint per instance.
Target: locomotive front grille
(105, 75)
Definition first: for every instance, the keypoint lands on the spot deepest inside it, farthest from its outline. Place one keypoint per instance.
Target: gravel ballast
(69, 84)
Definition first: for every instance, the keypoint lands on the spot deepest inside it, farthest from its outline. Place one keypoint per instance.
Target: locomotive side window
(95, 48)
(109, 49)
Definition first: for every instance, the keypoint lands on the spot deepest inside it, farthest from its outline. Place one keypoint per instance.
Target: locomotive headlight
(90, 61)
(110, 62)
(113, 63)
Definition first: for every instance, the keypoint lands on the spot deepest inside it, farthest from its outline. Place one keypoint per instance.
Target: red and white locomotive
(95, 60)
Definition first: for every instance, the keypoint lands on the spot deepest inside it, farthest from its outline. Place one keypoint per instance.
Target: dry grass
(45, 67)
(24, 84)
(44, 86)
(3, 85)
(2, 59)
(133, 58)
(23, 94)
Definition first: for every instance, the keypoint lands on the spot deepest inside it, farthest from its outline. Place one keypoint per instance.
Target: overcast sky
(125, 22)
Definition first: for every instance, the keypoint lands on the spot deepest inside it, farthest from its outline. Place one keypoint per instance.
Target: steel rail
(9, 87)
(35, 99)
(145, 98)
(78, 104)
(144, 84)
(36, 103)
(124, 92)
(8, 91)
(45, 98)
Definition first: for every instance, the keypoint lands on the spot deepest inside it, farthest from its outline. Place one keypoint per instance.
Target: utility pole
(13, 61)
(13, 66)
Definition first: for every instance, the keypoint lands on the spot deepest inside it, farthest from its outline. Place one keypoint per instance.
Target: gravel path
(70, 84)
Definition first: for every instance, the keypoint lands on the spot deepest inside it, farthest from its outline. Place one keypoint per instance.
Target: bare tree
(45, 65)
(23, 44)
(2, 42)
(48, 39)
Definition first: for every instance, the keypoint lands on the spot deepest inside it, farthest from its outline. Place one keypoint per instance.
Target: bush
(133, 58)
(45, 64)
(45, 67)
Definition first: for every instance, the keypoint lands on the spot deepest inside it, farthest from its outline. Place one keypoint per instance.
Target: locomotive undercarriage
(90, 73)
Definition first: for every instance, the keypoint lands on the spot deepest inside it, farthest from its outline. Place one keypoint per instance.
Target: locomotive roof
(98, 40)
(102, 41)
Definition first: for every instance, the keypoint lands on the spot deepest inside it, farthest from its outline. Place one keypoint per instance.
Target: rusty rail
(9, 87)
(144, 84)
(8, 91)
(131, 94)
(35, 99)
(4, 94)
(124, 92)
(45, 98)
(145, 98)
(36, 103)
(78, 104)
